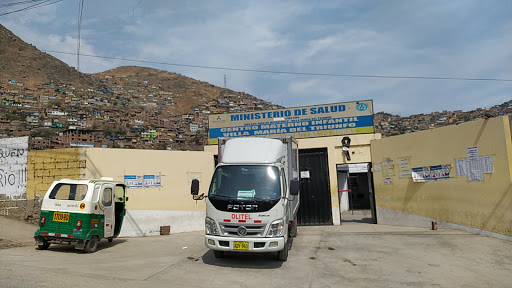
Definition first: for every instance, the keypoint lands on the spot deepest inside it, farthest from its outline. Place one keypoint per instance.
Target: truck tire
(43, 246)
(91, 245)
(283, 254)
(218, 254)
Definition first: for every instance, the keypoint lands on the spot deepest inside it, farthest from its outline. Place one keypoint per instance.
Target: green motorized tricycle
(81, 212)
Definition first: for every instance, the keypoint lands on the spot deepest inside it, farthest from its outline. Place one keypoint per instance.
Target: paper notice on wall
(388, 180)
(404, 169)
(304, 174)
(421, 174)
(472, 152)
(377, 167)
(462, 168)
(487, 163)
(439, 172)
(388, 161)
(475, 171)
(133, 181)
(388, 170)
(152, 181)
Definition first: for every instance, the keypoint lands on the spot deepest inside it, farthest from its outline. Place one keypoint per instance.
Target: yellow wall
(46, 166)
(175, 168)
(482, 205)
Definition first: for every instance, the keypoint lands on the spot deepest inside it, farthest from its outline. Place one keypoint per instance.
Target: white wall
(13, 166)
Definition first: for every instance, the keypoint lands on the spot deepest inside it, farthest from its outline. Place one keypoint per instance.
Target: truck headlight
(276, 228)
(210, 226)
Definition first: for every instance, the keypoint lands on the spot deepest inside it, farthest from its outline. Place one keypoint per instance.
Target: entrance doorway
(355, 186)
(315, 198)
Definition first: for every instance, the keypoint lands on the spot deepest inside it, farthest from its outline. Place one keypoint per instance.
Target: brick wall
(46, 166)
(43, 167)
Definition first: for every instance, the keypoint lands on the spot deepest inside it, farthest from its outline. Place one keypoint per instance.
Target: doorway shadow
(357, 216)
(361, 220)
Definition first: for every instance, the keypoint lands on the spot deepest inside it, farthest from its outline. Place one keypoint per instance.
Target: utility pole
(225, 82)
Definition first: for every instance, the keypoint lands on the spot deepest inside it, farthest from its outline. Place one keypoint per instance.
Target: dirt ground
(16, 233)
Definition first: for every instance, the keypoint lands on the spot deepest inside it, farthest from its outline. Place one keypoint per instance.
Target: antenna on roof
(225, 81)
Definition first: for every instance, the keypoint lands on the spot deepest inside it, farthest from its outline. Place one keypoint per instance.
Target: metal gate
(315, 197)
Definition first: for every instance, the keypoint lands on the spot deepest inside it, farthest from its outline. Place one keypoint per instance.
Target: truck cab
(253, 200)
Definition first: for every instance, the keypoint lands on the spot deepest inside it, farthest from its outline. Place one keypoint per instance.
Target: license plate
(240, 245)
(60, 217)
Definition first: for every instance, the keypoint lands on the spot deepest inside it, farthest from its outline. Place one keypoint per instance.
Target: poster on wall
(304, 174)
(439, 172)
(487, 164)
(474, 168)
(388, 180)
(461, 165)
(133, 181)
(421, 174)
(404, 169)
(472, 152)
(13, 166)
(388, 170)
(151, 181)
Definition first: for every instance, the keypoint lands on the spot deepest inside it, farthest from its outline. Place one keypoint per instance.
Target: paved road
(351, 255)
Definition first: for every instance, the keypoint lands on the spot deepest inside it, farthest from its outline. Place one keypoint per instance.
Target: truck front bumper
(254, 244)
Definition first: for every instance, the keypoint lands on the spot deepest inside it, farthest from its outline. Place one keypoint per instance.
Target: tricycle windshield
(245, 182)
(66, 191)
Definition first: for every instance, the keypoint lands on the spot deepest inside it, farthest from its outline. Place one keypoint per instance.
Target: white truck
(253, 199)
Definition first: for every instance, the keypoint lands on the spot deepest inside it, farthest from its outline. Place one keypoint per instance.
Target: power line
(18, 3)
(38, 5)
(288, 72)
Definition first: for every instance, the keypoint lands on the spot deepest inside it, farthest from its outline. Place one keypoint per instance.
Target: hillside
(146, 83)
(25, 63)
(132, 107)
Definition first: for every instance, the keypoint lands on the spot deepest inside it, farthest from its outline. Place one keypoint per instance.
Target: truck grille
(230, 229)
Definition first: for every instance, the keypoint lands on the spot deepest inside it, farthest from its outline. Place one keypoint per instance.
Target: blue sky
(463, 39)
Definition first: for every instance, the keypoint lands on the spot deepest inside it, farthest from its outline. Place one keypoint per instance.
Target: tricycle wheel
(110, 239)
(91, 245)
(43, 246)
(218, 254)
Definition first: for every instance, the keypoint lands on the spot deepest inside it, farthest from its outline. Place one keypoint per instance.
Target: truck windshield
(245, 182)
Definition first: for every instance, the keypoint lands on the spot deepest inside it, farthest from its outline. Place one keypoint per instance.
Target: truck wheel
(110, 239)
(91, 245)
(43, 246)
(218, 254)
(283, 254)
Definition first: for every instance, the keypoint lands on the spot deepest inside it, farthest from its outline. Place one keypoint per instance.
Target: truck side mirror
(194, 187)
(294, 187)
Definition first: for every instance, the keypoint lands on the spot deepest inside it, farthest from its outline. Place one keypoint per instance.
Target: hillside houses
(130, 112)
(133, 114)
(390, 125)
